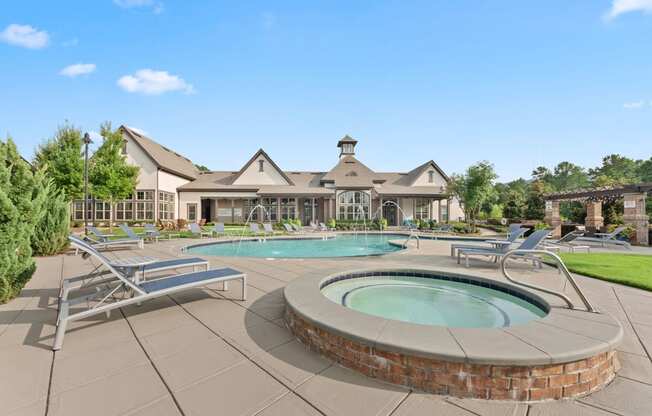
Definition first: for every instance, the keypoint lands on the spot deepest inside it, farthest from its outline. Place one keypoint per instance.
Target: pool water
(431, 301)
(347, 245)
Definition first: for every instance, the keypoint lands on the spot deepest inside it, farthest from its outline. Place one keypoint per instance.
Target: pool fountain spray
(244, 229)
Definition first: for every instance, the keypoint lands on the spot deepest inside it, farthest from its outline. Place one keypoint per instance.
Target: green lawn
(628, 269)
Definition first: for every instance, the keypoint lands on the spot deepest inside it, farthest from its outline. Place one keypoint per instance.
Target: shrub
(51, 233)
(332, 223)
(20, 210)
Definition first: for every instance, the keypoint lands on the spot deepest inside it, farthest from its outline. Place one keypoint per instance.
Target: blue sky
(520, 84)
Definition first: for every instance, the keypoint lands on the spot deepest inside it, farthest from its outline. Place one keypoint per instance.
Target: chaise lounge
(195, 229)
(134, 292)
(530, 243)
(514, 234)
(103, 240)
(607, 238)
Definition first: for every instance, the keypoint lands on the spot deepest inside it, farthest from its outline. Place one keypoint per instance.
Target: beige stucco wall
(423, 179)
(270, 176)
(169, 182)
(456, 212)
(195, 198)
(148, 170)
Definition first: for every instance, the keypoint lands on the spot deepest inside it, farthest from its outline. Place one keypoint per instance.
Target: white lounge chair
(607, 238)
(153, 233)
(513, 236)
(103, 240)
(218, 229)
(255, 229)
(288, 228)
(530, 243)
(566, 242)
(134, 292)
(268, 229)
(197, 230)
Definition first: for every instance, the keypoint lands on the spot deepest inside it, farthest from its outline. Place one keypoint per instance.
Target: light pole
(87, 141)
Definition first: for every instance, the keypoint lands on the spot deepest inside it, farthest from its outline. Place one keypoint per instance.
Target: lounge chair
(268, 229)
(530, 243)
(513, 236)
(218, 229)
(323, 227)
(288, 228)
(445, 228)
(96, 277)
(410, 225)
(130, 233)
(102, 240)
(134, 292)
(255, 229)
(607, 238)
(195, 229)
(566, 242)
(297, 228)
(153, 233)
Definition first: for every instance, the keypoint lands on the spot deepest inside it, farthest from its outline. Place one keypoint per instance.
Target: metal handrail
(416, 237)
(560, 265)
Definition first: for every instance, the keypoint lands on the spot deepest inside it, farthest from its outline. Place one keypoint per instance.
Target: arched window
(353, 205)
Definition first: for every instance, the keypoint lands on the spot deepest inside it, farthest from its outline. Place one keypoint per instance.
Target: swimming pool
(344, 245)
(434, 300)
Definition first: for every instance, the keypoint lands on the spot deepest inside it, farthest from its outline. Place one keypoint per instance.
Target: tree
(645, 171)
(110, 176)
(473, 188)
(21, 207)
(202, 168)
(569, 176)
(51, 233)
(515, 204)
(535, 206)
(616, 170)
(62, 158)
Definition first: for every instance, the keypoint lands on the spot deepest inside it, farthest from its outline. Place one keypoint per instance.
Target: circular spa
(341, 245)
(453, 334)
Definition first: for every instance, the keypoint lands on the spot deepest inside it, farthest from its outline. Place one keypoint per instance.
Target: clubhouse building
(170, 187)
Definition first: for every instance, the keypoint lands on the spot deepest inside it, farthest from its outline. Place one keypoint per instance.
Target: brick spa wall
(493, 382)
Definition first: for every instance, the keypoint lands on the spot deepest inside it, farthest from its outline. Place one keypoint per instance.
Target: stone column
(636, 217)
(594, 220)
(553, 218)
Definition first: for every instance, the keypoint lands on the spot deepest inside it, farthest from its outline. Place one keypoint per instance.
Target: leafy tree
(514, 204)
(202, 168)
(62, 157)
(616, 170)
(543, 174)
(535, 206)
(645, 170)
(21, 207)
(568, 176)
(51, 233)
(110, 176)
(473, 188)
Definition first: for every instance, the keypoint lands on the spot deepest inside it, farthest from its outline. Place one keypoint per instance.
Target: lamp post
(87, 141)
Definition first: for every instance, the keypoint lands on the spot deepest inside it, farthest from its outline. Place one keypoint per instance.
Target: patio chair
(153, 233)
(566, 242)
(218, 229)
(323, 227)
(298, 228)
(102, 240)
(255, 229)
(195, 229)
(96, 277)
(513, 236)
(607, 238)
(268, 229)
(134, 292)
(530, 243)
(288, 228)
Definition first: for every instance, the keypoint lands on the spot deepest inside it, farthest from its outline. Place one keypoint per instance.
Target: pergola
(635, 215)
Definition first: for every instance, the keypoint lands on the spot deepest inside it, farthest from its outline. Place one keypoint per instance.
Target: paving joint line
(409, 393)
(248, 357)
(174, 399)
(54, 353)
(638, 337)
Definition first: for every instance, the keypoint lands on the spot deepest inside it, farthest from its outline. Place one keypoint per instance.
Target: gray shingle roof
(166, 159)
(350, 173)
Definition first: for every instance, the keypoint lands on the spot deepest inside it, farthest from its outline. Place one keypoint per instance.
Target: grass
(230, 230)
(628, 269)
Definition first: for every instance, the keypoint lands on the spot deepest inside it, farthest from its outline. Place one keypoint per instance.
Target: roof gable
(417, 174)
(271, 174)
(350, 172)
(162, 157)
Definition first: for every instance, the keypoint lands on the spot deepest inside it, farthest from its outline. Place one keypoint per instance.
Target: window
(271, 208)
(261, 165)
(144, 205)
(288, 208)
(431, 176)
(192, 212)
(124, 210)
(353, 205)
(124, 147)
(422, 209)
(249, 210)
(165, 205)
(443, 212)
(102, 210)
(347, 148)
(78, 210)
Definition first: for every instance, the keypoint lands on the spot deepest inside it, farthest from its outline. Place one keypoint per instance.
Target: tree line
(35, 198)
(483, 198)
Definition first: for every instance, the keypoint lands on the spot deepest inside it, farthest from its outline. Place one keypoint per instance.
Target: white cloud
(633, 105)
(25, 36)
(619, 7)
(77, 69)
(156, 6)
(150, 82)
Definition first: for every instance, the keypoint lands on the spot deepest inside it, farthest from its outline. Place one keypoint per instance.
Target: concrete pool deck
(203, 352)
